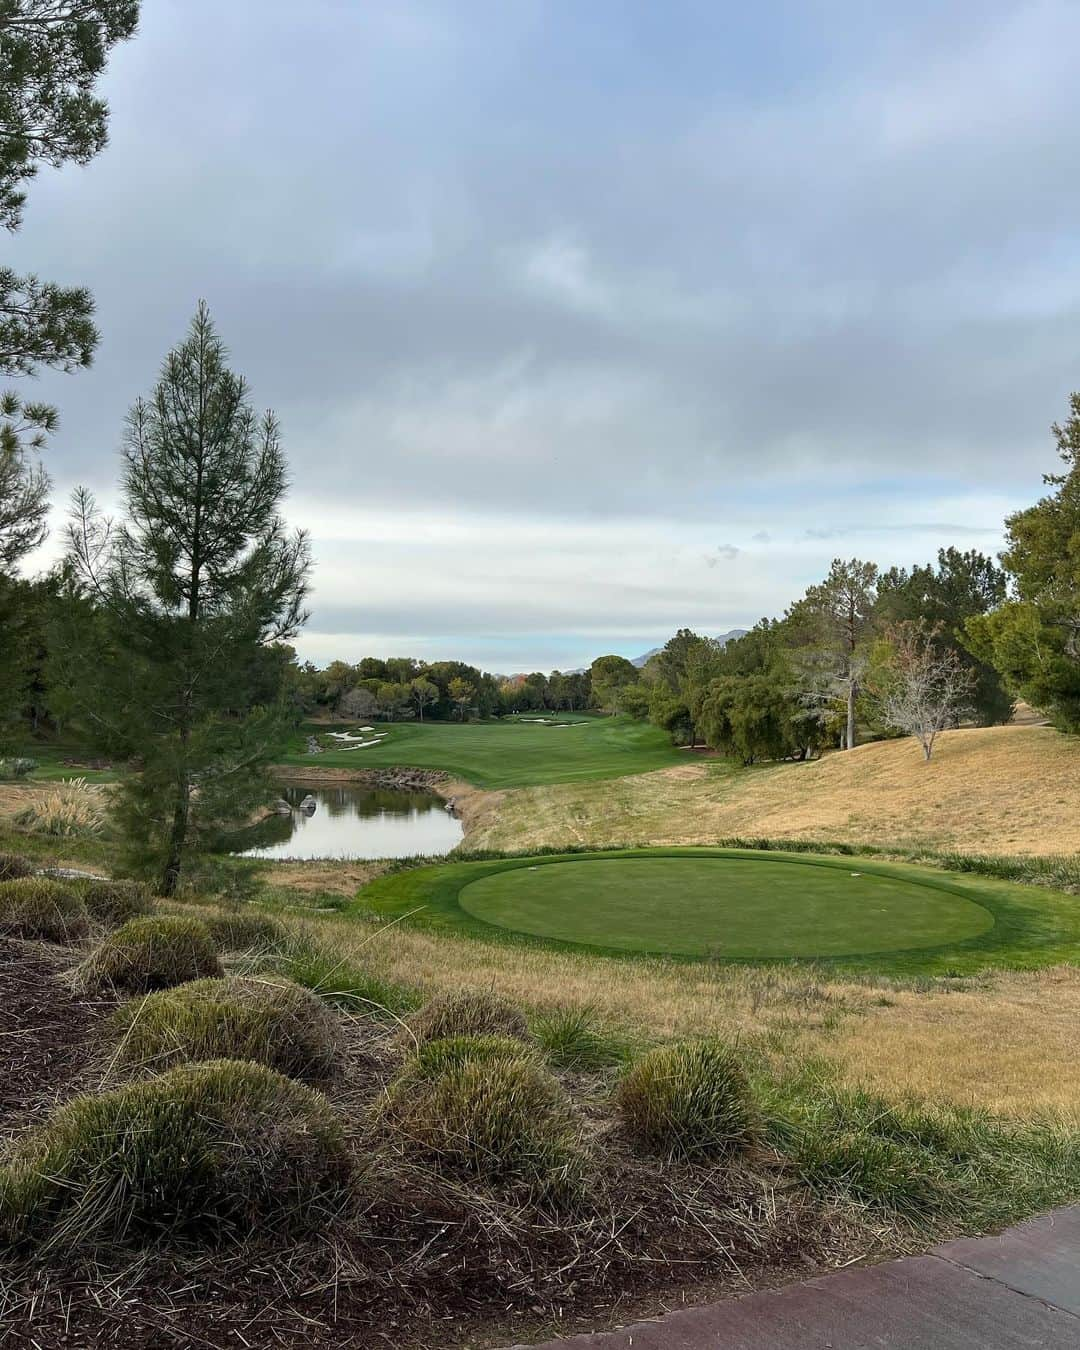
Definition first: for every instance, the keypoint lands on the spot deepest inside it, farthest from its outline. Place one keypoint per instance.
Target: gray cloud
(500, 259)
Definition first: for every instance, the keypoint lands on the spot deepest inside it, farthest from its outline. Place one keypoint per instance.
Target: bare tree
(926, 688)
(355, 705)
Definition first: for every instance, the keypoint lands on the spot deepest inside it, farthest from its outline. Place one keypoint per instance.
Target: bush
(480, 1111)
(115, 902)
(205, 1151)
(468, 1012)
(263, 1018)
(690, 1101)
(17, 768)
(243, 932)
(35, 907)
(571, 1038)
(151, 953)
(70, 809)
(13, 866)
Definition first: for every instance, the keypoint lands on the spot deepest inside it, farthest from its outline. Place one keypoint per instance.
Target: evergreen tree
(1034, 638)
(181, 601)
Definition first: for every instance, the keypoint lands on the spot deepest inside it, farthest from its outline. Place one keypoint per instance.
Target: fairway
(508, 753)
(737, 908)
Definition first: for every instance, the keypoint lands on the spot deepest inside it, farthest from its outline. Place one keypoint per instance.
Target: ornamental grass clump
(690, 1101)
(204, 1153)
(67, 811)
(244, 932)
(150, 953)
(485, 1109)
(13, 866)
(266, 1019)
(35, 907)
(573, 1038)
(114, 902)
(468, 1012)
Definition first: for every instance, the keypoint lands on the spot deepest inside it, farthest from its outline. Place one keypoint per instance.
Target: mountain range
(722, 638)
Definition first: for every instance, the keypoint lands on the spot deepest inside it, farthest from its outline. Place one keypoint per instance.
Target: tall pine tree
(180, 603)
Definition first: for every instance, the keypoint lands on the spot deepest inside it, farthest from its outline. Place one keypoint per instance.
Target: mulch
(45, 1033)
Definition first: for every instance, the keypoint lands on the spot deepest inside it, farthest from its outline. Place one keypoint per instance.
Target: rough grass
(690, 1100)
(205, 1150)
(340, 978)
(266, 1019)
(151, 953)
(114, 902)
(994, 790)
(35, 907)
(467, 1012)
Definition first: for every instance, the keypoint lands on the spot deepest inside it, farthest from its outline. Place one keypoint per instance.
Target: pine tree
(181, 601)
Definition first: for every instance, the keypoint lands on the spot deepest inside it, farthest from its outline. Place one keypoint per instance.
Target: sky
(586, 322)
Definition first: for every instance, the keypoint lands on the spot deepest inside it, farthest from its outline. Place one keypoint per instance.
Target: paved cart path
(1018, 1291)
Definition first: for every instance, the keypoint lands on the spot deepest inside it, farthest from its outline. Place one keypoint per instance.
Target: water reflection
(352, 821)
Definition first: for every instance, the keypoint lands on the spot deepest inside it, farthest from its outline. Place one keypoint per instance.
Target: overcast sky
(586, 321)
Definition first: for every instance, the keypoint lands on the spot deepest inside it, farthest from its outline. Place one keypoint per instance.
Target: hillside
(990, 790)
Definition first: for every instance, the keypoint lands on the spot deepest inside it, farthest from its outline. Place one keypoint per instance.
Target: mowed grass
(901, 920)
(724, 907)
(506, 754)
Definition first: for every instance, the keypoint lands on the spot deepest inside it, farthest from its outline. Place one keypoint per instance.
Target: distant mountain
(723, 638)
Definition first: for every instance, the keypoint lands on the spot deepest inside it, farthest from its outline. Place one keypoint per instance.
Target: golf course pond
(353, 821)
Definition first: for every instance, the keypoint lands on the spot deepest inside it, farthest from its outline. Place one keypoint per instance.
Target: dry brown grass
(995, 790)
(1009, 1044)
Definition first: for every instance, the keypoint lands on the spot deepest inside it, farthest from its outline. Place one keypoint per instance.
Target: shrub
(241, 932)
(70, 809)
(151, 953)
(484, 1113)
(690, 1101)
(14, 769)
(205, 1151)
(571, 1038)
(263, 1018)
(115, 902)
(35, 907)
(468, 1012)
(13, 866)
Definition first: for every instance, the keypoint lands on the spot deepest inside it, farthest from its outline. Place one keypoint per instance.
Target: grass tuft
(468, 1012)
(68, 810)
(35, 907)
(204, 1152)
(691, 1101)
(114, 902)
(245, 931)
(151, 953)
(573, 1038)
(482, 1112)
(266, 1019)
(340, 982)
(14, 865)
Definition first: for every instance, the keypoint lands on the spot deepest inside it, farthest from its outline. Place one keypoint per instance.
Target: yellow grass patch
(1007, 790)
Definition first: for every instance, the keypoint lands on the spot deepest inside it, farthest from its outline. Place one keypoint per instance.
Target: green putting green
(737, 908)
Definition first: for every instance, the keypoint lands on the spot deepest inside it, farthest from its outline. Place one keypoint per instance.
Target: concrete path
(1019, 1291)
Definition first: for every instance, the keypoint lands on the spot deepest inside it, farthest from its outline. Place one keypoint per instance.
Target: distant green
(505, 754)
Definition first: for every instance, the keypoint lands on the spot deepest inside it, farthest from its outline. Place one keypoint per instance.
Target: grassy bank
(994, 790)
